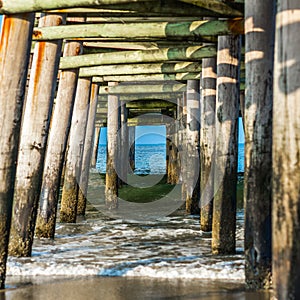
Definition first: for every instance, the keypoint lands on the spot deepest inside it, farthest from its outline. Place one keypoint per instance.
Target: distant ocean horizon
(151, 158)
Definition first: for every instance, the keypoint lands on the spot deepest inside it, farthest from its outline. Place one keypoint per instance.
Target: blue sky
(157, 134)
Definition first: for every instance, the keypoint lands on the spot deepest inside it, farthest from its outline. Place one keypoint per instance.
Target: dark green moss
(146, 194)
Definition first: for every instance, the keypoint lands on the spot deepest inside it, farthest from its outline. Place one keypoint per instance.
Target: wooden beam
(217, 6)
(150, 104)
(150, 77)
(143, 89)
(149, 119)
(145, 19)
(92, 47)
(149, 96)
(147, 68)
(154, 8)
(19, 6)
(184, 30)
(193, 53)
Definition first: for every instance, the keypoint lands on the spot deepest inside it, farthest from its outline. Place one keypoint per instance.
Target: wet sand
(121, 288)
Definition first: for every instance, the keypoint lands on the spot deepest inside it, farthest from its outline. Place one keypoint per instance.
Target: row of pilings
(54, 129)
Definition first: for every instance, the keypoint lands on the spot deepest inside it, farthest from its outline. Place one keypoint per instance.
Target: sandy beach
(120, 288)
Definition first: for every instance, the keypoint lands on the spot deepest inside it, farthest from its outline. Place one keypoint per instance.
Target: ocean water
(171, 248)
(150, 158)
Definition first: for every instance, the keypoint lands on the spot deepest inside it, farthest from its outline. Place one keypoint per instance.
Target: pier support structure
(207, 141)
(73, 160)
(131, 145)
(192, 143)
(124, 151)
(111, 186)
(15, 44)
(258, 141)
(56, 146)
(87, 151)
(183, 150)
(286, 153)
(227, 112)
(172, 168)
(96, 141)
(33, 140)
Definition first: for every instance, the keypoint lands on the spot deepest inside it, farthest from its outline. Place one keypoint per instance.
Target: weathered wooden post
(69, 199)
(225, 179)
(87, 151)
(123, 163)
(111, 187)
(172, 175)
(286, 153)
(183, 150)
(131, 141)
(15, 45)
(95, 146)
(192, 140)
(242, 107)
(34, 133)
(258, 141)
(56, 146)
(207, 141)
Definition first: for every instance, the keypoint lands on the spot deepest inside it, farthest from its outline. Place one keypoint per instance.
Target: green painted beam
(150, 104)
(143, 89)
(149, 8)
(147, 77)
(143, 97)
(94, 47)
(148, 68)
(185, 30)
(112, 19)
(217, 6)
(193, 53)
(21, 6)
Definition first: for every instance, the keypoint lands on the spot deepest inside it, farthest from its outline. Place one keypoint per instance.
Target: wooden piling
(286, 153)
(207, 141)
(259, 56)
(173, 172)
(56, 146)
(96, 141)
(111, 187)
(123, 164)
(225, 179)
(15, 44)
(87, 151)
(73, 163)
(131, 142)
(34, 133)
(192, 140)
(183, 150)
